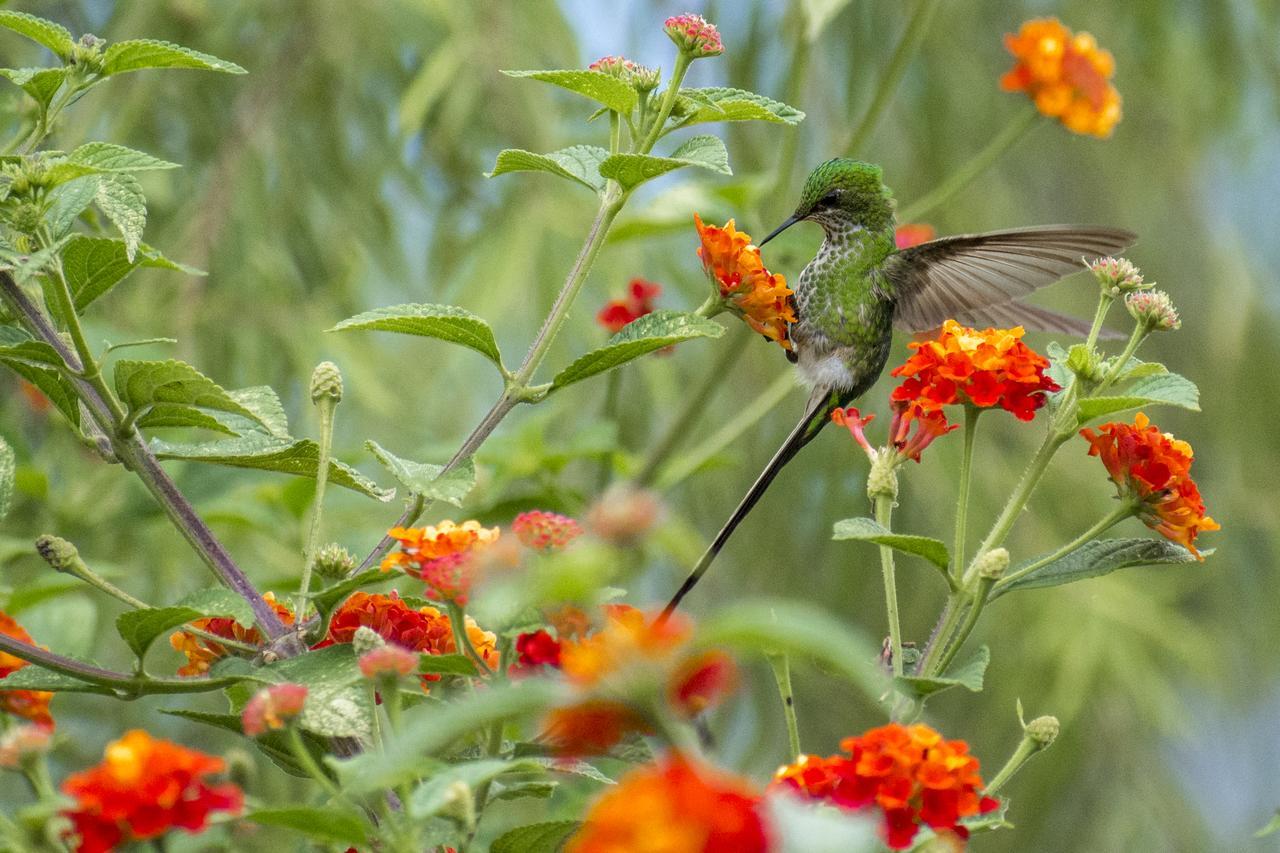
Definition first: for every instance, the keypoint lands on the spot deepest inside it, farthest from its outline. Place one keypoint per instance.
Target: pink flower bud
(694, 36)
(389, 661)
(23, 743)
(272, 708)
(545, 531)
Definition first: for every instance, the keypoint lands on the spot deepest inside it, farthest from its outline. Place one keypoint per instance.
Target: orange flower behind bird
(674, 806)
(734, 265)
(201, 653)
(1066, 75)
(1155, 469)
(910, 773)
(30, 705)
(143, 788)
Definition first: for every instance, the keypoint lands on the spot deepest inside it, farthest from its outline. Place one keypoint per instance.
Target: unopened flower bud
(694, 36)
(366, 640)
(60, 554)
(388, 661)
(272, 708)
(334, 561)
(882, 479)
(625, 514)
(326, 383)
(459, 803)
(241, 768)
(87, 51)
(23, 744)
(1117, 275)
(1085, 363)
(646, 79)
(991, 564)
(1043, 730)
(1154, 309)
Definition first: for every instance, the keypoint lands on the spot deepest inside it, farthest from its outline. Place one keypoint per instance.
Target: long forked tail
(816, 415)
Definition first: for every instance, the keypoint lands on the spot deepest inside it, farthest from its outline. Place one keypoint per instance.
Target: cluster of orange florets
(31, 705)
(1154, 468)
(202, 652)
(910, 773)
(734, 264)
(439, 555)
(1068, 76)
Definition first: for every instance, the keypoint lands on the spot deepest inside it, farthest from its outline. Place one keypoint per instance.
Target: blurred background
(346, 172)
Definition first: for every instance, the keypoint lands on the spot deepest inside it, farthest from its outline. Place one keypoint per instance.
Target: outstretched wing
(957, 276)
(1003, 315)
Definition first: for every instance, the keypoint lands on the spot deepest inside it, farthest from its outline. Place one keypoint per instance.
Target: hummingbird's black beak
(791, 220)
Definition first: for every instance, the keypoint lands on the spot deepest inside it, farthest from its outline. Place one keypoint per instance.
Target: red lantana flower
(637, 303)
(675, 806)
(537, 649)
(986, 368)
(143, 788)
(30, 705)
(1155, 469)
(201, 652)
(910, 234)
(910, 773)
(911, 431)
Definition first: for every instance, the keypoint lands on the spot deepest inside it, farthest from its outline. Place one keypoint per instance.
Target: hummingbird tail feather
(816, 416)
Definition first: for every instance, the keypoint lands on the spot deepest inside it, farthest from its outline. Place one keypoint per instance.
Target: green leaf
(94, 265)
(596, 85)
(143, 384)
(53, 36)
(1272, 826)
(868, 530)
(968, 675)
(268, 412)
(585, 769)
(337, 702)
(120, 199)
(274, 744)
(631, 170)
(140, 628)
(423, 478)
(8, 468)
(67, 201)
(536, 838)
(50, 383)
(334, 823)
(799, 630)
(1168, 389)
(1099, 557)
(579, 163)
(262, 452)
(447, 665)
(171, 415)
(330, 597)
(217, 601)
(695, 106)
(37, 678)
(434, 794)
(456, 325)
(517, 790)
(644, 335)
(137, 54)
(61, 172)
(40, 83)
(108, 157)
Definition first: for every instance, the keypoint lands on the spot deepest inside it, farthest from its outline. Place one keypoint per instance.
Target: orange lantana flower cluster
(910, 773)
(988, 368)
(31, 705)
(630, 656)
(675, 806)
(439, 555)
(638, 302)
(733, 263)
(143, 788)
(201, 652)
(1155, 469)
(1067, 76)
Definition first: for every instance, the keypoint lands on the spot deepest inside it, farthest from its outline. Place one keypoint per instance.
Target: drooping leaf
(140, 628)
(120, 199)
(696, 106)
(53, 36)
(94, 265)
(333, 823)
(142, 384)
(67, 201)
(1167, 389)
(631, 170)
(1099, 557)
(579, 163)
(602, 88)
(40, 83)
(433, 795)
(868, 530)
(644, 335)
(546, 837)
(425, 479)
(37, 678)
(969, 675)
(136, 54)
(456, 325)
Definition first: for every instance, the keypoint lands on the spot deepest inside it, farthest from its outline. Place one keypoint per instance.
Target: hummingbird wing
(956, 276)
(1006, 314)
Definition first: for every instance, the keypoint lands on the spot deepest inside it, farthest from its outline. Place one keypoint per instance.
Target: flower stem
(951, 646)
(907, 46)
(609, 414)
(971, 413)
(979, 163)
(1027, 747)
(1104, 305)
(952, 612)
(1103, 525)
(781, 665)
(327, 406)
(668, 101)
(458, 621)
(1140, 332)
(308, 763)
(884, 516)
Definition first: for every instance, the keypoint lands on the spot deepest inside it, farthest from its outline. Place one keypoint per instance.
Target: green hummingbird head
(843, 193)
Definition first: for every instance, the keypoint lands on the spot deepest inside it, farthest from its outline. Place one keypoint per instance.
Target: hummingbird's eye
(830, 198)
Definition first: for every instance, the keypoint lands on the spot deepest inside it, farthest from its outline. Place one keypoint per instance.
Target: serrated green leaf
(171, 415)
(333, 823)
(868, 530)
(94, 265)
(446, 322)
(216, 601)
(15, 343)
(602, 88)
(61, 172)
(136, 54)
(969, 675)
(631, 170)
(535, 838)
(37, 678)
(433, 795)
(51, 383)
(330, 597)
(262, 452)
(108, 157)
(143, 384)
(425, 479)
(1161, 389)
(579, 163)
(447, 665)
(67, 201)
(338, 704)
(268, 412)
(120, 199)
(40, 83)
(140, 628)
(1098, 557)
(53, 36)
(648, 333)
(696, 106)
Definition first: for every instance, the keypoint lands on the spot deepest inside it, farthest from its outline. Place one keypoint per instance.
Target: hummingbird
(860, 287)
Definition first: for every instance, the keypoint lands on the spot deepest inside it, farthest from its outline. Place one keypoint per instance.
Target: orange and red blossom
(675, 805)
(30, 705)
(271, 708)
(906, 443)
(201, 652)
(910, 234)
(143, 788)
(545, 531)
(537, 649)
(734, 266)
(986, 368)
(440, 556)
(910, 773)
(694, 36)
(1067, 76)
(637, 302)
(1153, 469)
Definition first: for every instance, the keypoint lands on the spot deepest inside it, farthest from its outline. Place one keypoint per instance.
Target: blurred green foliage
(345, 173)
